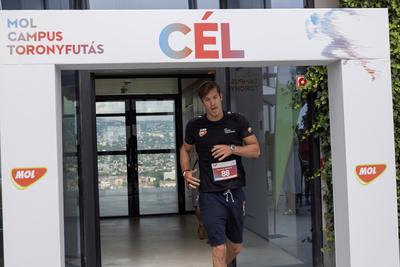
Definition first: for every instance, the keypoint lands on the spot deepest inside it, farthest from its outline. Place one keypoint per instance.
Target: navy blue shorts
(222, 214)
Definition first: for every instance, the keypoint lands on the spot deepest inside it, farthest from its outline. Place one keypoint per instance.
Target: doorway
(138, 130)
(137, 160)
(121, 234)
(130, 118)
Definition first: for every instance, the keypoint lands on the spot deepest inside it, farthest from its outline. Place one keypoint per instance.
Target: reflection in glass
(69, 134)
(278, 183)
(110, 107)
(191, 107)
(138, 4)
(155, 132)
(249, 3)
(22, 5)
(70, 171)
(207, 4)
(136, 86)
(111, 134)
(287, 4)
(155, 106)
(35, 4)
(157, 183)
(113, 189)
(291, 207)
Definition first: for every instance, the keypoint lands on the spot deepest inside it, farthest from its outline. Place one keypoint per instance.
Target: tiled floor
(172, 241)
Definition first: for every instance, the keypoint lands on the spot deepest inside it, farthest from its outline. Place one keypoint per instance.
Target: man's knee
(234, 248)
(219, 253)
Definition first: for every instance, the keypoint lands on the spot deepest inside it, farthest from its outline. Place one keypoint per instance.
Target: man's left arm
(249, 149)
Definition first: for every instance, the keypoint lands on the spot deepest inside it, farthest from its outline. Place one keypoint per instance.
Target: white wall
(366, 232)
(30, 115)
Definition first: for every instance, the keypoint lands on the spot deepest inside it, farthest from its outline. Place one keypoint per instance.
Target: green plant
(319, 127)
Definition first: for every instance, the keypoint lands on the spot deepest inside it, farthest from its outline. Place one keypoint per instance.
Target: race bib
(224, 170)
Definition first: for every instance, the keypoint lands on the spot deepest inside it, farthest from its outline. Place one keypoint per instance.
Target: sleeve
(245, 129)
(190, 134)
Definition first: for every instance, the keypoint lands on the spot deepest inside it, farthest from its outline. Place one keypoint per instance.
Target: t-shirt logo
(202, 132)
(249, 130)
(228, 131)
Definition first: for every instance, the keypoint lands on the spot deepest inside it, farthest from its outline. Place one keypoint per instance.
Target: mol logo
(203, 36)
(25, 177)
(368, 173)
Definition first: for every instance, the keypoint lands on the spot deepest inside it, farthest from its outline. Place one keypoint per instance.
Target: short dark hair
(206, 87)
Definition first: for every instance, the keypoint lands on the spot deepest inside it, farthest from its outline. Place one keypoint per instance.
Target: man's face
(212, 103)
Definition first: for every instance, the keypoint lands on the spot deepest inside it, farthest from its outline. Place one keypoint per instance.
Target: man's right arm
(192, 181)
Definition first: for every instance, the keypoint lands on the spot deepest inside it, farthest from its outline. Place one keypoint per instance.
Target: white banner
(145, 36)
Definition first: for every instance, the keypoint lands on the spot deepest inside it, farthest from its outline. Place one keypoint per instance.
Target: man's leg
(214, 216)
(232, 250)
(235, 225)
(219, 256)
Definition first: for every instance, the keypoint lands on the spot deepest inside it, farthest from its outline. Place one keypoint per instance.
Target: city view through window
(153, 139)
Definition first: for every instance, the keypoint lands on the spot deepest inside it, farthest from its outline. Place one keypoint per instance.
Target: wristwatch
(233, 147)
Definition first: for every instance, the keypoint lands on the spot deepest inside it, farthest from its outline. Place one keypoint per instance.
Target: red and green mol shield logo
(25, 177)
(368, 173)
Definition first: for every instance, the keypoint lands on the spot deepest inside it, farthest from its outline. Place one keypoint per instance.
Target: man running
(221, 139)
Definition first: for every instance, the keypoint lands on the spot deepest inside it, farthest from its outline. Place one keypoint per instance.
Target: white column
(30, 121)
(362, 133)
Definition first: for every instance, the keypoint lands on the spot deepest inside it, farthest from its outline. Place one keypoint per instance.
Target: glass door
(111, 158)
(137, 156)
(155, 163)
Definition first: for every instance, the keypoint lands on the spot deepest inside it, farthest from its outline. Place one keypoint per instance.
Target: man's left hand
(221, 151)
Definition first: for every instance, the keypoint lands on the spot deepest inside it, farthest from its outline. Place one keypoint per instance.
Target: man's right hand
(191, 181)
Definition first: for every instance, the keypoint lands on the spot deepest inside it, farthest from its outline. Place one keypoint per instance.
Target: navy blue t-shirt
(204, 134)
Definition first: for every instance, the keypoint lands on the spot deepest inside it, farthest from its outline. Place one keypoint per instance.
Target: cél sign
(200, 40)
(25, 177)
(368, 173)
